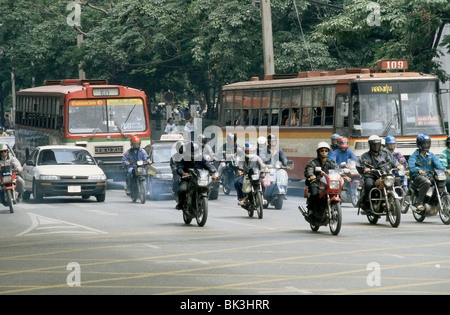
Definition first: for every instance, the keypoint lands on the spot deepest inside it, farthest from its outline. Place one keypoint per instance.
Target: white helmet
(262, 141)
(321, 145)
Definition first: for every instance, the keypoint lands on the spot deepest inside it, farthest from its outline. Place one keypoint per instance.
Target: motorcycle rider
(173, 165)
(6, 159)
(428, 162)
(334, 145)
(250, 161)
(132, 155)
(444, 158)
(206, 148)
(391, 147)
(191, 159)
(375, 157)
(326, 164)
(228, 148)
(343, 153)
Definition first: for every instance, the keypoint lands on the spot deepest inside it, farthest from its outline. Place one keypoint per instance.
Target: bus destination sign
(386, 65)
(105, 92)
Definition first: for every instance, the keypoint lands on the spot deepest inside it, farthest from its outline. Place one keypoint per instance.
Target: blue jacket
(340, 156)
(429, 163)
(131, 157)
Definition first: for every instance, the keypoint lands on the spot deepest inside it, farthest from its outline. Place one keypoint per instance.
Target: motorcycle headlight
(335, 184)
(255, 176)
(7, 178)
(389, 181)
(202, 182)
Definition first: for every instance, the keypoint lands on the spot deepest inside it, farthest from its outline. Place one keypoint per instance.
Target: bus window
(285, 117)
(317, 116)
(265, 117)
(236, 117)
(255, 117)
(306, 116)
(274, 120)
(328, 116)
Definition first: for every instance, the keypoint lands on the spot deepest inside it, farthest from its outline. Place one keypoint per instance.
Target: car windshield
(65, 156)
(162, 154)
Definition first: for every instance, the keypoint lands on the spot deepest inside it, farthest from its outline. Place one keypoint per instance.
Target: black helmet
(202, 139)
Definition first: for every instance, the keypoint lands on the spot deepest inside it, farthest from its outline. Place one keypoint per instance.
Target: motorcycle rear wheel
(202, 211)
(9, 198)
(335, 218)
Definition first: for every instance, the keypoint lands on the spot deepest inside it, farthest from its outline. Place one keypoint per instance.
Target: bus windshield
(395, 108)
(107, 115)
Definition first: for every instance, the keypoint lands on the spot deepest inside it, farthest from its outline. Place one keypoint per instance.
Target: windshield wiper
(96, 127)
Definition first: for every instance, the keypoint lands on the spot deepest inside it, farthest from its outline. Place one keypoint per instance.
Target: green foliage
(193, 47)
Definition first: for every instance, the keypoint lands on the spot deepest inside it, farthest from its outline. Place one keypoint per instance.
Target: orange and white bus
(311, 106)
(86, 113)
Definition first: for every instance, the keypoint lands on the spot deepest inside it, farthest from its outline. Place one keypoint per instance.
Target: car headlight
(49, 177)
(97, 177)
(389, 181)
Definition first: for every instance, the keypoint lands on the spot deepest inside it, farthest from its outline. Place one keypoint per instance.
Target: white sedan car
(61, 170)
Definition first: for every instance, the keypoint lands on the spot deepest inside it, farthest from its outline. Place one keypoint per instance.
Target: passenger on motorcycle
(250, 161)
(6, 159)
(391, 147)
(263, 150)
(375, 157)
(193, 159)
(428, 162)
(229, 148)
(206, 148)
(276, 154)
(444, 158)
(325, 163)
(132, 155)
(343, 153)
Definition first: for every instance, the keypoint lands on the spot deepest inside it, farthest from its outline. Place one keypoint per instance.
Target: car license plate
(74, 189)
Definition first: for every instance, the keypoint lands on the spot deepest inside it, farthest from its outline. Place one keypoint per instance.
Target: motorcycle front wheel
(142, 189)
(259, 204)
(9, 198)
(444, 212)
(335, 218)
(395, 211)
(202, 211)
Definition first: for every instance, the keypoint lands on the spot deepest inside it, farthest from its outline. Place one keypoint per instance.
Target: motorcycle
(214, 190)
(278, 187)
(196, 204)
(138, 182)
(8, 187)
(229, 173)
(437, 198)
(383, 199)
(329, 205)
(350, 192)
(252, 190)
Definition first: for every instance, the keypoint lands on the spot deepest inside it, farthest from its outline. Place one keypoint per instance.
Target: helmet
(231, 137)
(249, 150)
(179, 147)
(374, 143)
(390, 139)
(272, 137)
(342, 142)
(135, 142)
(335, 137)
(262, 141)
(423, 141)
(202, 139)
(4, 147)
(322, 145)
(195, 151)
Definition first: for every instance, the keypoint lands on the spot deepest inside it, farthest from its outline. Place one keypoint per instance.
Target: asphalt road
(75, 246)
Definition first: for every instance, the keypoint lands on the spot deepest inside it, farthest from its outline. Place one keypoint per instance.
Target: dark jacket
(310, 167)
(382, 159)
(183, 165)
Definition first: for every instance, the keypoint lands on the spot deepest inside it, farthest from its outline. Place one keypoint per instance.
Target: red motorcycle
(8, 187)
(329, 205)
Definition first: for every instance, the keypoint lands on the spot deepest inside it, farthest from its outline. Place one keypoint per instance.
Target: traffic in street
(74, 245)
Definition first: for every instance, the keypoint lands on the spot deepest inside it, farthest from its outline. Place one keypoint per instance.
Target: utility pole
(74, 19)
(266, 17)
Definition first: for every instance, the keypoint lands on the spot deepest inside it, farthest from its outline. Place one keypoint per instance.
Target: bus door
(342, 119)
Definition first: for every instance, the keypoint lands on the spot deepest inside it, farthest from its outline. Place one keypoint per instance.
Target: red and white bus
(86, 113)
(311, 106)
